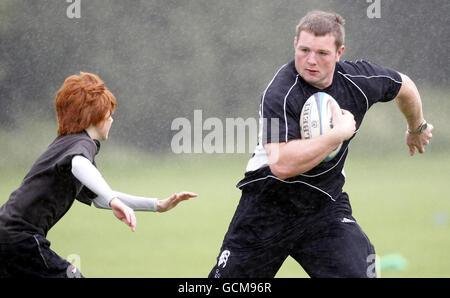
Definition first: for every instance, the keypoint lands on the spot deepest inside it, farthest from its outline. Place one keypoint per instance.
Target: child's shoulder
(74, 144)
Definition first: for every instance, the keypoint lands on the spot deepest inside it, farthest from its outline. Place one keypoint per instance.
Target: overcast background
(164, 59)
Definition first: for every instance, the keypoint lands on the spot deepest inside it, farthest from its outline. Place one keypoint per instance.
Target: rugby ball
(316, 118)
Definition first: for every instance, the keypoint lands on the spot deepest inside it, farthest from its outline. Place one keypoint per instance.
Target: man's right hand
(344, 124)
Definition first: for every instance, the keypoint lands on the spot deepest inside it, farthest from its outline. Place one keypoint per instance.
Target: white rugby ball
(316, 118)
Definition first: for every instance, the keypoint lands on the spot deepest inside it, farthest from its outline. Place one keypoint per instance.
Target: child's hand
(173, 200)
(123, 213)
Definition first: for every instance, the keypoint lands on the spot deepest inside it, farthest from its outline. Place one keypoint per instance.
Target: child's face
(103, 127)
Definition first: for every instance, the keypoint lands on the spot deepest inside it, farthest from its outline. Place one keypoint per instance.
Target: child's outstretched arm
(89, 175)
(146, 204)
(134, 202)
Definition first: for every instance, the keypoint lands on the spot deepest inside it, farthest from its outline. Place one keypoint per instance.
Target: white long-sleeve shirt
(90, 177)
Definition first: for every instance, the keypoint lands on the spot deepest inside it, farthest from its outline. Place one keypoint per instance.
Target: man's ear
(339, 53)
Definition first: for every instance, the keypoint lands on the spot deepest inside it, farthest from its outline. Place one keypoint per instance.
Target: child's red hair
(82, 100)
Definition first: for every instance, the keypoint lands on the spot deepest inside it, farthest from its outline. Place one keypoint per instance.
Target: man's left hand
(419, 141)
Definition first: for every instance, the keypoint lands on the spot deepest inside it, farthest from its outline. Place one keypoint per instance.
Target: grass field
(402, 203)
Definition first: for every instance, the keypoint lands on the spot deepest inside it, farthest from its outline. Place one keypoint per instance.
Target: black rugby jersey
(356, 87)
(48, 190)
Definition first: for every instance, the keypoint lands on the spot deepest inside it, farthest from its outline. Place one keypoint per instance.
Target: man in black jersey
(292, 201)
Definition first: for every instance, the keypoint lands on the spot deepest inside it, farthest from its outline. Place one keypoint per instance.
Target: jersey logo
(224, 258)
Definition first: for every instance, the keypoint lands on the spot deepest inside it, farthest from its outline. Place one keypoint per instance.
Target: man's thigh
(255, 243)
(338, 248)
(253, 263)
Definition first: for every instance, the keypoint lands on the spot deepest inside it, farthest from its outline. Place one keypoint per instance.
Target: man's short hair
(81, 101)
(320, 23)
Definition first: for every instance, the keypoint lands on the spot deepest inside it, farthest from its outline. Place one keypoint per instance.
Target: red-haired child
(64, 172)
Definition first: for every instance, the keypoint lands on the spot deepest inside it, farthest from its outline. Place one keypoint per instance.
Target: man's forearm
(409, 102)
(299, 156)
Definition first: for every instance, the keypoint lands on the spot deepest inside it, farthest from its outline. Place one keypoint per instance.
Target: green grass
(400, 202)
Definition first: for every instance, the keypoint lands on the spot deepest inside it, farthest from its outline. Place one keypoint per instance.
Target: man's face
(316, 57)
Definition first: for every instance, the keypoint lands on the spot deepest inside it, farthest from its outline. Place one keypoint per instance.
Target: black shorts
(33, 258)
(322, 236)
